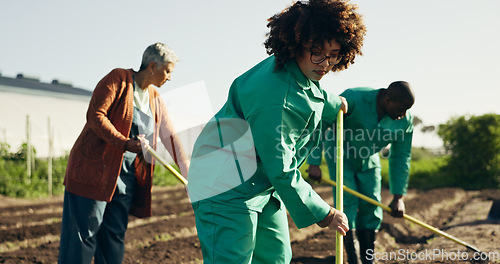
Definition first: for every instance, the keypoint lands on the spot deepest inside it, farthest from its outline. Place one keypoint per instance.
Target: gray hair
(158, 53)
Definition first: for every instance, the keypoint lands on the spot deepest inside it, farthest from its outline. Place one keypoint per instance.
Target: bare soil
(29, 230)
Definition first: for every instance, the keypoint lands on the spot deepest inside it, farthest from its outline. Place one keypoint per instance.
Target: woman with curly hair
(244, 171)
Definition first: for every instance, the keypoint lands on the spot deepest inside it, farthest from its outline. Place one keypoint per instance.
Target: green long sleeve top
(365, 136)
(253, 147)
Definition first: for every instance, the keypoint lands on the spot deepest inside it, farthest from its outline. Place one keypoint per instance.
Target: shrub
(425, 173)
(14, 181)
(474, 144)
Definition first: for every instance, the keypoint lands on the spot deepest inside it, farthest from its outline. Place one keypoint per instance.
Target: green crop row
(14, 180)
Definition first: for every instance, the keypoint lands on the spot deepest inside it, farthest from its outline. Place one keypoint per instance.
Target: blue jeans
(92, 228)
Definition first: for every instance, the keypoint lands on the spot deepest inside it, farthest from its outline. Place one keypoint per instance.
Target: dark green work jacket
(365, 136)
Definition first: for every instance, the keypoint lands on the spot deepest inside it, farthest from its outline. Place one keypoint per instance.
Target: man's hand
(343, 105)
(397, 206)
(314, 173)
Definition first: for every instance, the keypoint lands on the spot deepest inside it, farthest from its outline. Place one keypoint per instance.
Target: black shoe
(350, 248)
(366, 245)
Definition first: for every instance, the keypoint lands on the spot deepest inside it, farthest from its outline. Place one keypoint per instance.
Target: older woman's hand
(137, 144)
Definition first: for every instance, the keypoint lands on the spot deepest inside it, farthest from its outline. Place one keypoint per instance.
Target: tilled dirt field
(29, 230)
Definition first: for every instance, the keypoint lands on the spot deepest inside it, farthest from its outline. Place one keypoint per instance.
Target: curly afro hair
(316, 22)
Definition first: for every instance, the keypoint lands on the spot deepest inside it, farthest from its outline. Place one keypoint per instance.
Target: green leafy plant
(14, 180)
(474, 144)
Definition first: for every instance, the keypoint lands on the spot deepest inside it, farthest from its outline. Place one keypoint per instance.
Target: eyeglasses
(318, 58)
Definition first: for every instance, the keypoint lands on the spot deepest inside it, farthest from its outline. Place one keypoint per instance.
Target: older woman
(245, 165)
(107, 177)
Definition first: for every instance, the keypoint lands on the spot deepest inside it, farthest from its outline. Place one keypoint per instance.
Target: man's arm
(399, 170)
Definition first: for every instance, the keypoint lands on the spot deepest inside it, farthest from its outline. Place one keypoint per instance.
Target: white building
(26, 97)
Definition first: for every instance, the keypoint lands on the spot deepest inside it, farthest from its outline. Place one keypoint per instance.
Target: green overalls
(244, 167)
(364, 137)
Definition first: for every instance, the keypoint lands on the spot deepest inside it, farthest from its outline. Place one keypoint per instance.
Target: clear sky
(447, 49)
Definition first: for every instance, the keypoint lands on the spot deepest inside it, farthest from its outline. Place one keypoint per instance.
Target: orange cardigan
(95, 160)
